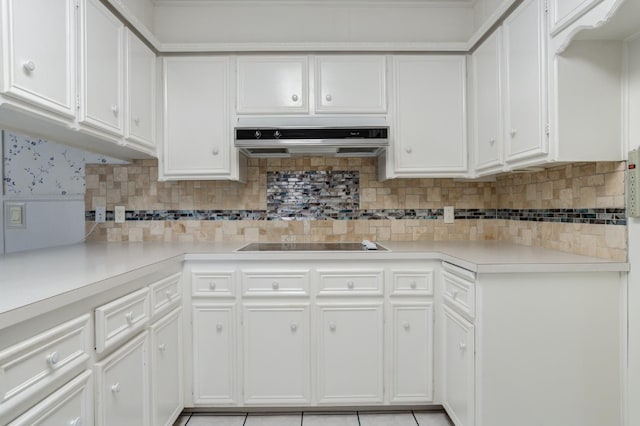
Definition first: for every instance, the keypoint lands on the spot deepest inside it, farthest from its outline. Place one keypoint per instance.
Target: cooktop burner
(307, 247)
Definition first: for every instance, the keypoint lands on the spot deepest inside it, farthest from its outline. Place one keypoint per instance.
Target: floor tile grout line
(358, 416)
(301, 418)
(246, 416)
(415, 418)
(189, 419)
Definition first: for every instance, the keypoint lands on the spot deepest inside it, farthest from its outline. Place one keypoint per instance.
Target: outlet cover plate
(16, 215)
(119, 214)
(448, 214)
(101, 214)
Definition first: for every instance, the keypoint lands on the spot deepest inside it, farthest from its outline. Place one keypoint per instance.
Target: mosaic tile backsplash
(577, 208)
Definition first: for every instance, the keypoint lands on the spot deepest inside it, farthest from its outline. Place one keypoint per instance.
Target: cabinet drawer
(212, 284)
(459, 294)
(42, 361)
(275, 283)
(412, 282)
(350, 282)
(70, 405)
(165, 294)
(121, 319)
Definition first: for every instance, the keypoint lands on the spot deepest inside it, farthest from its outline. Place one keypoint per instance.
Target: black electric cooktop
(308, 247)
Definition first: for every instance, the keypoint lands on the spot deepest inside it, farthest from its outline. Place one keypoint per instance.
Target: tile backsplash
(577, 208)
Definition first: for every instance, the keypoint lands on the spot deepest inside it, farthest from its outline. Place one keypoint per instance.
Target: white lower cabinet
(350, 348)
(70, 405)
(122, 385)
(412, 353)
(276, 353)
(459, 368)
(214, 354)
(166, 369)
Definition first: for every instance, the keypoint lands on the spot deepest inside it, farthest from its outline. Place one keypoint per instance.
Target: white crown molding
(456, 47)
(331, 3)
(490, 22)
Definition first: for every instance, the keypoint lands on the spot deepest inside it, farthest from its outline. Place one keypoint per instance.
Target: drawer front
(70, 405)
(212, 284)
(459, 294)
(350, 282)
(165, 294)
(121, 319)
(265, 283)
(43, 360)
(412, 282)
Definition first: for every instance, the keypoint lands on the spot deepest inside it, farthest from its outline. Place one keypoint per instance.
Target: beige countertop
(50, 278)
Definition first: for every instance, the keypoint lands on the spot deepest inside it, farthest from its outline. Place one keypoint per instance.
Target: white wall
(249, 22)
(633, 124)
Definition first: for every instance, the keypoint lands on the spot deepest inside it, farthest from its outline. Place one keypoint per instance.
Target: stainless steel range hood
(291, 136)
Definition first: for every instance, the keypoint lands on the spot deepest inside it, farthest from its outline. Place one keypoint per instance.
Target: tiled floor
(400, 418)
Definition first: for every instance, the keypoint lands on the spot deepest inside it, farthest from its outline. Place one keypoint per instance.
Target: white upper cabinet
(564, 12)
(39, 53)
(525, 82)
(486, 123)
(429, 118)
(272, 84)
(102, 69)
(197, 140)
(350, 83)
(141, 88)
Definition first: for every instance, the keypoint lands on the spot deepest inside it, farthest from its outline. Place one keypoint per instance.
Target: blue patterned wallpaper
(38, 167)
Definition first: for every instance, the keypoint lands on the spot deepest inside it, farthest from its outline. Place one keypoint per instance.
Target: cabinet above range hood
(292, 136)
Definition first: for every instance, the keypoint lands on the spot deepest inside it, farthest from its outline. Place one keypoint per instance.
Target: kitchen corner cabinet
(525, 80)
(197, 127)
(459, 368)
(428, 122)
(486, 107)
(272, 84)
(140, 72)
(102, 69)
(42, 74)
(350, 84)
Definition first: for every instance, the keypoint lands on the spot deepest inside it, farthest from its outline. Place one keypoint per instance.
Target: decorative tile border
(600, 216)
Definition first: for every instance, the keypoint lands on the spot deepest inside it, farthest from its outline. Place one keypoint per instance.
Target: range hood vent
(296, 136)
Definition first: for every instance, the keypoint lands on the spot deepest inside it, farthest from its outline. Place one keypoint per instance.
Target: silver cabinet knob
(328, 98)
(294, 326)
(408, 150)
(115, 109)
(294, 98)
(332, 326)
(463, 346)
(406, 325)
(115, 388)
(513, 132)
(76, 422)
(350, 284)
(29, 66)
(492, 142)
(215, 151)
(413, 284)
(162, 347)
(136, 120)
(129, 317)
(275, 285)
(212, 285)
(53, 359)
(219, 327)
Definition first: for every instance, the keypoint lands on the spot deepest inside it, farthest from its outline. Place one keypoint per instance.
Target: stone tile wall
(510, 209)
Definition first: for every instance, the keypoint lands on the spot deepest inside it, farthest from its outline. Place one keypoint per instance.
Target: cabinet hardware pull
(161, 347)
(350, 284)
(215, 151)
(454, 293)
(53, 359)
(76, 422)
(129, 317)
(492, 142)
(169, 294)
(413, 284)
(463, 346)
(29, 66)
(332, 326)
(114, 109)
(275, 285)
(115, 388)
(136, 120)
(406, 325)
(408, 150)
(219, 327)
(212, 285)
(294, 326)
(294, 98)
(328, 98)
(513, 132)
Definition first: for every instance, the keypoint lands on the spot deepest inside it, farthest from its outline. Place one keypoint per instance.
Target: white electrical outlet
(119, 214)
(448, 214)
(101, 214)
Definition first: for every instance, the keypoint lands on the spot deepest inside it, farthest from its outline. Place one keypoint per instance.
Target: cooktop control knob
(277, 134)
(258, 134)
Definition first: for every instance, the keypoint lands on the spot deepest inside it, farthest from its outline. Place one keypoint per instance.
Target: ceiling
(434, 2)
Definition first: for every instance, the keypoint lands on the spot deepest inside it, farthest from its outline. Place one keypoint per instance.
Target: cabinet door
(351, 84)
(71, 405)
(214, 354)
(412, 358)
(487, 130)
(459, 369)
(350, 363)
(276, 354)
(122, 390)
(141, 89)
(429, 136)
(272, 84)
(197, 128)
(39, 53)
(166, 369)
(102, 75)
(525, 82)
